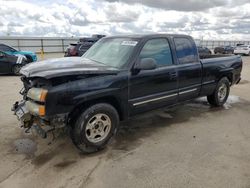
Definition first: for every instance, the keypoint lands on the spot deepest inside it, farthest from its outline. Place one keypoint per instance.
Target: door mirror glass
(146, 64)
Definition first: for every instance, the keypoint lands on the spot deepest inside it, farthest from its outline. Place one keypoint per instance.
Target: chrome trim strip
(187, 91)
(208, 82)
(155, 99)
(164, 97)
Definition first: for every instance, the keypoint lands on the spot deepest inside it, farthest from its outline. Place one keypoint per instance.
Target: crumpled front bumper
(28, 121)
(42, 125)
(22, 113)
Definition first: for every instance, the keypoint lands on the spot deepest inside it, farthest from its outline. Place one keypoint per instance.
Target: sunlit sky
(203, 19)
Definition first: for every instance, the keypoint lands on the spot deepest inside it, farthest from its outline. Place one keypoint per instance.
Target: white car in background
(243, 49)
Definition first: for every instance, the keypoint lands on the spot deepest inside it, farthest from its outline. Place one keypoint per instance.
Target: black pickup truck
(117, 78)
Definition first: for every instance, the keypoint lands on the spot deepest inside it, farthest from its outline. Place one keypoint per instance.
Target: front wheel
(95, 127)
(221, 93)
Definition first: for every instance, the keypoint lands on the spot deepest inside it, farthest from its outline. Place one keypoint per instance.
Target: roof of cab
(141, 36)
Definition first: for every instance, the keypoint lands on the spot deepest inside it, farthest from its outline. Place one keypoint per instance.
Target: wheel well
(229, 76)
(83, 106)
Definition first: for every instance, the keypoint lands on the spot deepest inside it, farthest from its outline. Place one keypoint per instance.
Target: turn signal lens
(41, 110)
(43, 95)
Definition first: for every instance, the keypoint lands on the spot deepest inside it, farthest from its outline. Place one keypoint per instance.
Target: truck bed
(217, 66)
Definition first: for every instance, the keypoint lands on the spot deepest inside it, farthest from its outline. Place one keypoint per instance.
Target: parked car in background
(11, 64)
(117, 78)
(79, 48)
(239, 44)
(224, 50)
(203, 51)
(243, 49)
(31, 56)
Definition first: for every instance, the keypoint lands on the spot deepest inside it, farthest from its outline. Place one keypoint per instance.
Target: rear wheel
(221, 93)
(16, 69)
(95, 127)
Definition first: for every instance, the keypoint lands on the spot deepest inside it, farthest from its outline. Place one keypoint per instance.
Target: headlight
(37, 94)
(35, 109)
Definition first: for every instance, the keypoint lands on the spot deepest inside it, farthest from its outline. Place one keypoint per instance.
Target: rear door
(189, 68)
(151, 89)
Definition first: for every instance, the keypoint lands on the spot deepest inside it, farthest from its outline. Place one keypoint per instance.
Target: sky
(202, 19)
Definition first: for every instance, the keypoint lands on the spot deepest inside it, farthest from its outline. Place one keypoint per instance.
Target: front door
(151, 89)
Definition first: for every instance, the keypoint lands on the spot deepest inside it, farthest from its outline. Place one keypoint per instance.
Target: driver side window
(159, 50)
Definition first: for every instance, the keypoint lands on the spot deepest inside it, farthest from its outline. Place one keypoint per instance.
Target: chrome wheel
(222, 92)
(98, 128)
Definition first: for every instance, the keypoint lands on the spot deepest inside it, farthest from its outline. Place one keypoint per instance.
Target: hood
(66, 67)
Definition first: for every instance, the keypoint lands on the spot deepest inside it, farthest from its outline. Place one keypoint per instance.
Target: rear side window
(185, 51)
(159, 50)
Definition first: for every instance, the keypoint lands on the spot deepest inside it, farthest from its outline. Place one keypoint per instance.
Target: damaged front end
(31, 111)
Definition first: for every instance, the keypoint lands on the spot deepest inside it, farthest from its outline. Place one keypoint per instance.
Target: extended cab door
(149, 89)
(189, 68)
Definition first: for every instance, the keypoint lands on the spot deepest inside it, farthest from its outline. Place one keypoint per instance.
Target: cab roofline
(145, 36)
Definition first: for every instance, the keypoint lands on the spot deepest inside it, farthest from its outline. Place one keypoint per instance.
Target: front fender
(65, 97)
(109, 92)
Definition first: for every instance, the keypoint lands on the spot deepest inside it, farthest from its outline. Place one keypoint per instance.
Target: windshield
(113, 52)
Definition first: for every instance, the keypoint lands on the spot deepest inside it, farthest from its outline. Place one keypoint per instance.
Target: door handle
(173, 75)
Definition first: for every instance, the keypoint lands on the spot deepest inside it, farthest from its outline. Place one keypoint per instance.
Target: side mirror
(1, 55)
(146, 64)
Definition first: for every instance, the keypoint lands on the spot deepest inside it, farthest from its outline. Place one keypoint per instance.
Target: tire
(95, 127)
(221, 93)
(16, 69)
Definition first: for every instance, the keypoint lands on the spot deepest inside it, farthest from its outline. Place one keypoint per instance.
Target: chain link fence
(39, 45)
(211, 44)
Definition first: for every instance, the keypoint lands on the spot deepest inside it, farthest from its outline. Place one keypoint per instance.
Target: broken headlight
(37, 94)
